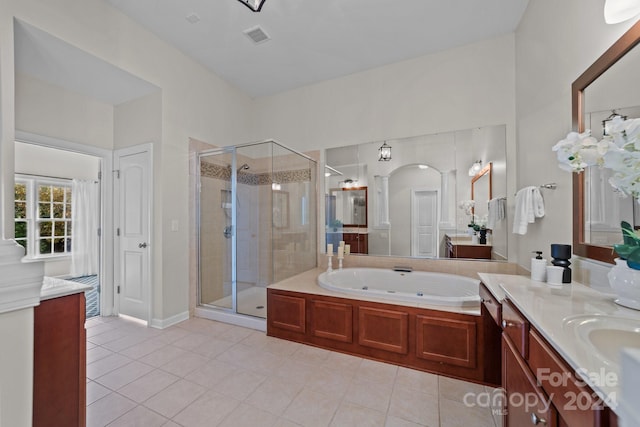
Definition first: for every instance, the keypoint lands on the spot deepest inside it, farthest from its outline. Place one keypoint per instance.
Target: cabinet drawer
(577, 403)
(491, 304)
(516, 328)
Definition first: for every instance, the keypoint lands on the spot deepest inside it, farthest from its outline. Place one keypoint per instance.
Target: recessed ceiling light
(192, 18)
(423, 166)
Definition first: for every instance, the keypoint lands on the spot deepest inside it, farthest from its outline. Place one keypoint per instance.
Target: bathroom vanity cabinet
(359, 242)
(461, 247)
(59, 371)
(553, 393)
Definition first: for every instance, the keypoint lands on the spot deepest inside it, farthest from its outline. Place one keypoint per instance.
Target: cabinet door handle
(536, 420)
(506, 324)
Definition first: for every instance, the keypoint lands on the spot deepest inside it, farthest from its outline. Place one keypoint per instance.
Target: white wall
(555, 43)
(16, 367)
(195, 103)
(463, 88)
(46, 109)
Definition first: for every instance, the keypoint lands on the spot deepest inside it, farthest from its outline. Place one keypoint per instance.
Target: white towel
(496, 212)
(529, 206)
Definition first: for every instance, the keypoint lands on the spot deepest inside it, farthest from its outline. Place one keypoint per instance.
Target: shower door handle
(142, 245)
(227, 232)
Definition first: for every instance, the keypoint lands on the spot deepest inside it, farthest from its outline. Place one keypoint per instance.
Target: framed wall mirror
(609, 86)
(481, 191)
(350, 206)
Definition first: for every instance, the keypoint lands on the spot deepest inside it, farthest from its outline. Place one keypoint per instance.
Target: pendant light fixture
(384, 152)
(616, 11)
(254, 5)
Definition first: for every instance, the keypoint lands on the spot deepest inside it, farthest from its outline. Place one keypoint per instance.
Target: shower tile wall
(212, 241)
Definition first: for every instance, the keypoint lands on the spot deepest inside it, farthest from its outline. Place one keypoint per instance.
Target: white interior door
(133, 184)
(246, 226)
(424, 221)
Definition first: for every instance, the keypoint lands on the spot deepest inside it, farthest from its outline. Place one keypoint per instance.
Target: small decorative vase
(474, 238)
(483, 237)
(625, 282)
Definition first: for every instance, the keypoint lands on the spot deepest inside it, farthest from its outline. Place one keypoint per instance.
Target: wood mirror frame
(620, 48)
(484, 171)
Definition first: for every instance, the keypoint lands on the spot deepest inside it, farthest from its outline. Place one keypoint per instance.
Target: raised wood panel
(59, 362)
(286, 312)
(332, 320)
(516, 327)
(559, 380)
(447, 341)
(383, 329)
(494, 308)
(526, 397)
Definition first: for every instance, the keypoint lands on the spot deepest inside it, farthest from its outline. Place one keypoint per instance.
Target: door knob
(142, 245)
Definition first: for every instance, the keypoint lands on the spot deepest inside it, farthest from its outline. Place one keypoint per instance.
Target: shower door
(216, 218)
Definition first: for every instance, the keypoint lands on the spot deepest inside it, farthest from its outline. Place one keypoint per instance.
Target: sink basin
(605, 335)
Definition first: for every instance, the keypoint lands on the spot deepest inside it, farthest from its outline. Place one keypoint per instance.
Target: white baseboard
(233, 318)
(170, 321)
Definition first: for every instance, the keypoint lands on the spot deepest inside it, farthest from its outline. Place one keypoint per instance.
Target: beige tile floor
(207, 373)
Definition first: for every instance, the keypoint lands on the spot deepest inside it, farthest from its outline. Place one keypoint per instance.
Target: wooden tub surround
(458, 345)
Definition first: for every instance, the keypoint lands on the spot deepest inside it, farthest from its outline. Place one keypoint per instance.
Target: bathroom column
(446, 221)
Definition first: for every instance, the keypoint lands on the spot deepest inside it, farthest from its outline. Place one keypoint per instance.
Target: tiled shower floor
(205, 373)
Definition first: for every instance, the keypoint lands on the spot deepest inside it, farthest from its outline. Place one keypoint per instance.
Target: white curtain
(84, 218)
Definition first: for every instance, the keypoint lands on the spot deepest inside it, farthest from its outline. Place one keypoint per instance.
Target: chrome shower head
(244, 167)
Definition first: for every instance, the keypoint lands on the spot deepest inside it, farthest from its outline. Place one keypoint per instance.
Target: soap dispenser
(538, 267)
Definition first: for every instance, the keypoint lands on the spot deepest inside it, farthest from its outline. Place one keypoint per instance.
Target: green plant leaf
(633, 260)
(629, 237)
(623, 251)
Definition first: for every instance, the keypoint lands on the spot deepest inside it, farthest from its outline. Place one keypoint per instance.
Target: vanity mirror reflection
(607, 87)
(481, 191)
(413, 200)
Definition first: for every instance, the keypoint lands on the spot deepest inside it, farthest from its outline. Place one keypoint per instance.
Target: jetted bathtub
(415, 286)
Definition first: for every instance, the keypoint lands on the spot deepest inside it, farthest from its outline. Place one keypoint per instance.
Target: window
(43, 216)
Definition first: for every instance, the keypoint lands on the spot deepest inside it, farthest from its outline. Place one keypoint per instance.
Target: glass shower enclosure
(257, 223)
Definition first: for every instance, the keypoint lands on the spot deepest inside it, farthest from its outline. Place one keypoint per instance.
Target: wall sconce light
(384, 152)
(254, 5)
(475, 168)
(348, 183)
(606, 121)
(616, 11)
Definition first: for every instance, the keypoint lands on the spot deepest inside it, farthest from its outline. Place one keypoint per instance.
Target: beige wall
(555, 43)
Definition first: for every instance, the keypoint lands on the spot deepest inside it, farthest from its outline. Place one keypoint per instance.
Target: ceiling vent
(257, 34)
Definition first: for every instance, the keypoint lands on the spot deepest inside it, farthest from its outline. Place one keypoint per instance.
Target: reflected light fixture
(606, 121)
(475, 168)
(616, 11)
(384, 152)
(254, 5)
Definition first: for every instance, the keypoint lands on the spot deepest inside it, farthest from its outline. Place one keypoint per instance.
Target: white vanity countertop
(307, 283)
(55, 288)
(549, 308)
